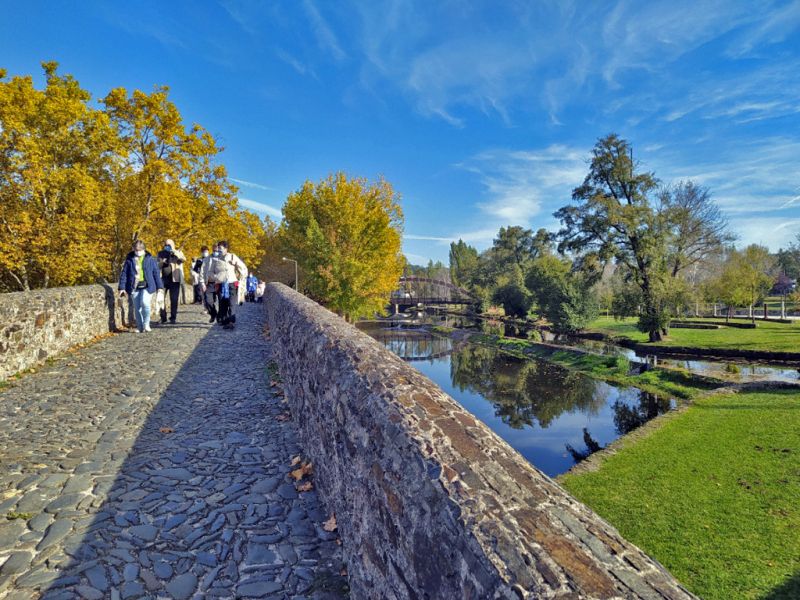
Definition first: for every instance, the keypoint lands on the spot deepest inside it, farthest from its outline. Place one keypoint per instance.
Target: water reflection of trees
(524, 391)
(628, 417)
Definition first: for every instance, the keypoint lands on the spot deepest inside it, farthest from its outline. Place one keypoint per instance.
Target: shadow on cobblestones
(182, 489)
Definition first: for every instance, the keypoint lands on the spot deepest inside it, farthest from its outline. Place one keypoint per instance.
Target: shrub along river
(552, 416)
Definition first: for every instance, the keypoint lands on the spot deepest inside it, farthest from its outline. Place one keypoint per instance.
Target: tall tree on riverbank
(653, 235)
(346, 234)
(612, 217)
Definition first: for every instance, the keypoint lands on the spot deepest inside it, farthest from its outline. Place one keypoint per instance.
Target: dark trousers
(210, 301)
(198, 296)
(173, 288)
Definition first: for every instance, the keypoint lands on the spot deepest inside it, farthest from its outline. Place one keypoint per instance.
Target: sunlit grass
(714, 495)
(768, 335)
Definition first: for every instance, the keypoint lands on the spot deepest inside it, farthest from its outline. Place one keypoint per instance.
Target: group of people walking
(220, 279)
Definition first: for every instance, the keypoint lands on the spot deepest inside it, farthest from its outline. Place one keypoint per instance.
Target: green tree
(564, 296)
(346, 235)
(696, 226)
(463, 263)
(746, 278)
(514, 298)
(789, 259)
(612, 217)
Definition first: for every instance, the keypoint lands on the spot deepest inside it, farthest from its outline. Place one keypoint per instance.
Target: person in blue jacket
(140, 278)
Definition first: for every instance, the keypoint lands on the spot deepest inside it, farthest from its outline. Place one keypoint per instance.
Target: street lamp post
(296, 286)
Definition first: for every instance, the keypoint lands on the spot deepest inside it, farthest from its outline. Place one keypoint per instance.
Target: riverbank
(613, 369)
(770, 340)
(711, 491)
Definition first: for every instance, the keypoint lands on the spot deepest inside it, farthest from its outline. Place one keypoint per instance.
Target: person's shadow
(111, 305)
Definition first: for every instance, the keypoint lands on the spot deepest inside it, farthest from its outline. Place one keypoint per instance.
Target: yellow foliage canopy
(346, 234)
(79, 184)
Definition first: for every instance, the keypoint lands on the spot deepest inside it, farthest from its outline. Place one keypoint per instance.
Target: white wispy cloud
(261, 207)
(251, 184)
(292, 61)
(757, 176)
(772, 232)
(518, 183)
(774, 27)
(503, 61)
(326, 39)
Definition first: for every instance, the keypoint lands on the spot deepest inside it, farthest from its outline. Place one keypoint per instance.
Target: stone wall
(429, 502)
(41, 323)
(37, 324)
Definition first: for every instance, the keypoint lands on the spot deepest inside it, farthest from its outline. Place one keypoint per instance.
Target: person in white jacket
(227, 270)
(208, 287)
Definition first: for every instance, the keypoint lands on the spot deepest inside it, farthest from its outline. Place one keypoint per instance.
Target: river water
(552, 416)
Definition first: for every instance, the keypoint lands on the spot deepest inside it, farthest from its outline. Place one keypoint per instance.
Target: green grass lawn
(714, 495)
(776, 337)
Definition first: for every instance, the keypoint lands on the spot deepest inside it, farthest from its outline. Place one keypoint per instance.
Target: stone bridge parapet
(430, 502)
(38, 324)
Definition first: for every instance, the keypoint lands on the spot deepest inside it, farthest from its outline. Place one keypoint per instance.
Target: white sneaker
(147, 328)
(137, 331)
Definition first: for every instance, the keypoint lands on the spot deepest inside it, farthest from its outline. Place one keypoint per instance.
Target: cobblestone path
(156, 465)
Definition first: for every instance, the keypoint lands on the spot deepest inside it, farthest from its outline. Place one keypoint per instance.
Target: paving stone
(16, 563)
(55, 533)
(257, 589)
(97, 578)
(10, 532)
(162, 569)
(183, 586)
(145, 532)
(65, 502)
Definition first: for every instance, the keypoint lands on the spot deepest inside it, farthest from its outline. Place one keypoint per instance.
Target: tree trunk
(654, 336)
(783, 307)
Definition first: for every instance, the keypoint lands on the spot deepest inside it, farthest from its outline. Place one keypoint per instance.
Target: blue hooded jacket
(152, 275)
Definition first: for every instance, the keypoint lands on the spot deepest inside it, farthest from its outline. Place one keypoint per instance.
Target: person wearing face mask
(139, 279)
(197, 265)
(208, 285)
(227, 270)
(170, 260)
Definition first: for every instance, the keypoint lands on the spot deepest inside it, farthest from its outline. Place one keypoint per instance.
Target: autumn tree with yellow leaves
(80, 183)
(346, 235)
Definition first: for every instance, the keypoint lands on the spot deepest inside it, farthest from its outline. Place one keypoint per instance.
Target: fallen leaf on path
(283, 417)
(166, 430)
(298, 474)
(330, 524)
(306, 486)
(343, 572)
(295, 460)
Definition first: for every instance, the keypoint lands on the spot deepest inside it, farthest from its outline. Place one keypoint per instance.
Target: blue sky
(481, 114)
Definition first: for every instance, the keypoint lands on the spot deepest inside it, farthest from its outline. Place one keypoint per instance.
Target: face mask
(205, 254)
(216, 253)
(168, 248)
(140, 253)
(223, 251)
